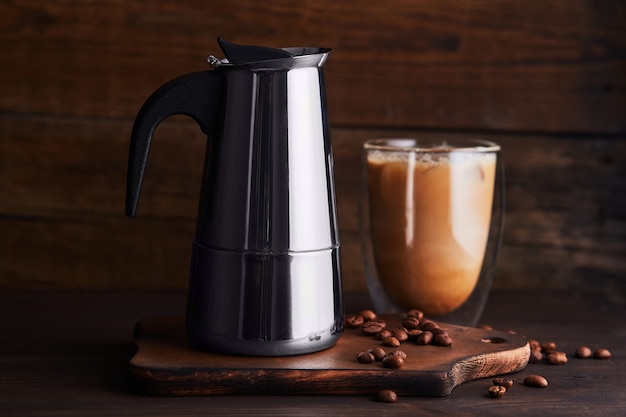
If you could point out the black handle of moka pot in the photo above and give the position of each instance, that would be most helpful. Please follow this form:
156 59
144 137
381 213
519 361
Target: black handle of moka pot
197 95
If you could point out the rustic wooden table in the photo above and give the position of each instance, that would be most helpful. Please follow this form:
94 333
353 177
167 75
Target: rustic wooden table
67 353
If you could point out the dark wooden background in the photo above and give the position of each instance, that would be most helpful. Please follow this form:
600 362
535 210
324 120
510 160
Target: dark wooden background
544 78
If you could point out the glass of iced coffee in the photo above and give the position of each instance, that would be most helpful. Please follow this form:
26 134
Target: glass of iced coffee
431 223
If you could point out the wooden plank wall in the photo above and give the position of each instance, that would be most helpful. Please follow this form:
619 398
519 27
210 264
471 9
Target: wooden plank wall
544 78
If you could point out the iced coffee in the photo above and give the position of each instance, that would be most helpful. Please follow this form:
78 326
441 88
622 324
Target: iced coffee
429 213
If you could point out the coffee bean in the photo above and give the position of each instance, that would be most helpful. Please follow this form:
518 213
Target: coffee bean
365 357
372 327
386 396
534 344
393 361
378 352
400 334
354 321
503 382
391 341
548 347
368 315
424 338
583 352
556 358
602 354
497 391
442 339
536 381
412 333
485 327
428 325
535 356
400 353
384 333
418 314
411 323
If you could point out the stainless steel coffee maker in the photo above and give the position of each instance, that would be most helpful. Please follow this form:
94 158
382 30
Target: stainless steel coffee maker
265 266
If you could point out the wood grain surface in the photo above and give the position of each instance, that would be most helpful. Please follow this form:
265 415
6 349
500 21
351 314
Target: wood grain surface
542 78
532 66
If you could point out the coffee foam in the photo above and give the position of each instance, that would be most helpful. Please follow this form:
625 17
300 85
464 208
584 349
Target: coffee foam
430 158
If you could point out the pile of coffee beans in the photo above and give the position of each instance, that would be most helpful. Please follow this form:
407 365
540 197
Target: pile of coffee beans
414 328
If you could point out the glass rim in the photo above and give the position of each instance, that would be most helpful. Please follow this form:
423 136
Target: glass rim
408 144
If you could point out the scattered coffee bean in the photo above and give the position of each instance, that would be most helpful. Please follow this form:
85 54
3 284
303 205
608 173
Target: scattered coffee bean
365 357
602 354
535 356
378 353
497 391
442 339
368 315
503 382
556 358
425 332
535 381
391 342
400 353
412 333
583 352
400 334
372 327
393 361
428 325
354 321
418 314
485 327
411 323
384 333
424 338
386 396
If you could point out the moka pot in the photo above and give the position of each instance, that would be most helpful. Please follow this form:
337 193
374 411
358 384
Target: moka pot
265 276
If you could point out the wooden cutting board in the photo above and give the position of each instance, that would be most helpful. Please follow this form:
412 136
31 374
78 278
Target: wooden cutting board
165 364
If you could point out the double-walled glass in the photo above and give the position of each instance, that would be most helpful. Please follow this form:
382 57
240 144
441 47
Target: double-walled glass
431 224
